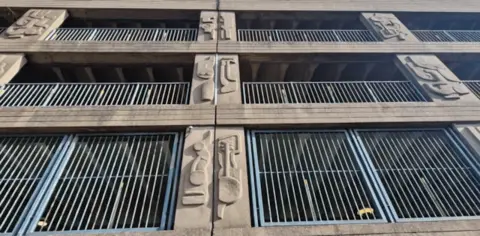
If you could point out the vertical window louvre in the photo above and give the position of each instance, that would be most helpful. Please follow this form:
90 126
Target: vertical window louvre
310 178
23 163
423 174
113 182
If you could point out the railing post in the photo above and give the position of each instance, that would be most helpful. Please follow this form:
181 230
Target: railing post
370 91
52 93
92 35
137 87
450 36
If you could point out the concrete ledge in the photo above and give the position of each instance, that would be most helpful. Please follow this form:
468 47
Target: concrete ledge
375 47
114 4
176 232
471 227
352 5
92 118
347 113
106 47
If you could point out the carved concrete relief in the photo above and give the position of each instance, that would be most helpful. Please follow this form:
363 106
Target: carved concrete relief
229 75
205 70
33 23
198 194
227 28
388 26
437 77
209 26
3 64
230 175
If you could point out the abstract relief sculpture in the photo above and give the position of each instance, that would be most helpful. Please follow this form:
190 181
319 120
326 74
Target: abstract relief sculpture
33 23
198 193
437 77
388 26
228 75
230 175
226 29
209 26
3 64
205 70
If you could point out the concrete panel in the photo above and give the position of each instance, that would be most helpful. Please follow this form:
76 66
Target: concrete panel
35 24
106 117
106 47
232 205
227 29
10 65
208 27
387 27
347 114
444 228
352 5
229 85
195 194
114 4
434 77
330 47
202 89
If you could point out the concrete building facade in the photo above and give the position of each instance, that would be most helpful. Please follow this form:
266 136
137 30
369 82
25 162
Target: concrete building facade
227 117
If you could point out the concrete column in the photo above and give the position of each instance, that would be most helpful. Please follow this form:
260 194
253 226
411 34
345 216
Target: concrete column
203 82
35 24
387 27
229 87
195 192
438 82
10 65
227 26
232 203
471 134
208 26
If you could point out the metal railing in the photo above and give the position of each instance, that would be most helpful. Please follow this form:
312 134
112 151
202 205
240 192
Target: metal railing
309 178
361 175
447 35
93 94
113 182
330 92
23 163
473 86
422 173
277 35
88 182
123 34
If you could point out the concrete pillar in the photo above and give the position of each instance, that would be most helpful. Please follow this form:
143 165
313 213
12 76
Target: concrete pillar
203 82
10 65
195 194
387 27
229 87
208 26
232 203
35 24
471 134
438 82
217 26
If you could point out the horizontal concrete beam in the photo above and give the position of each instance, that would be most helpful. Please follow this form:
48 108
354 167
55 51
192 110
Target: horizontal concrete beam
464 228
355 5
105 47
101 118
377 47
114 4
347 113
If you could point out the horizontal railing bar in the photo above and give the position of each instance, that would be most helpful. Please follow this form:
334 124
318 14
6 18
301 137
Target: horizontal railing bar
305 35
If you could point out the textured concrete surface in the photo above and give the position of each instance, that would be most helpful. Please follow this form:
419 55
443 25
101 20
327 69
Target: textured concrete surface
10 65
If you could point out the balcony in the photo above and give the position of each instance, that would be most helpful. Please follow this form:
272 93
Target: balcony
330 92
296 35
123 35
